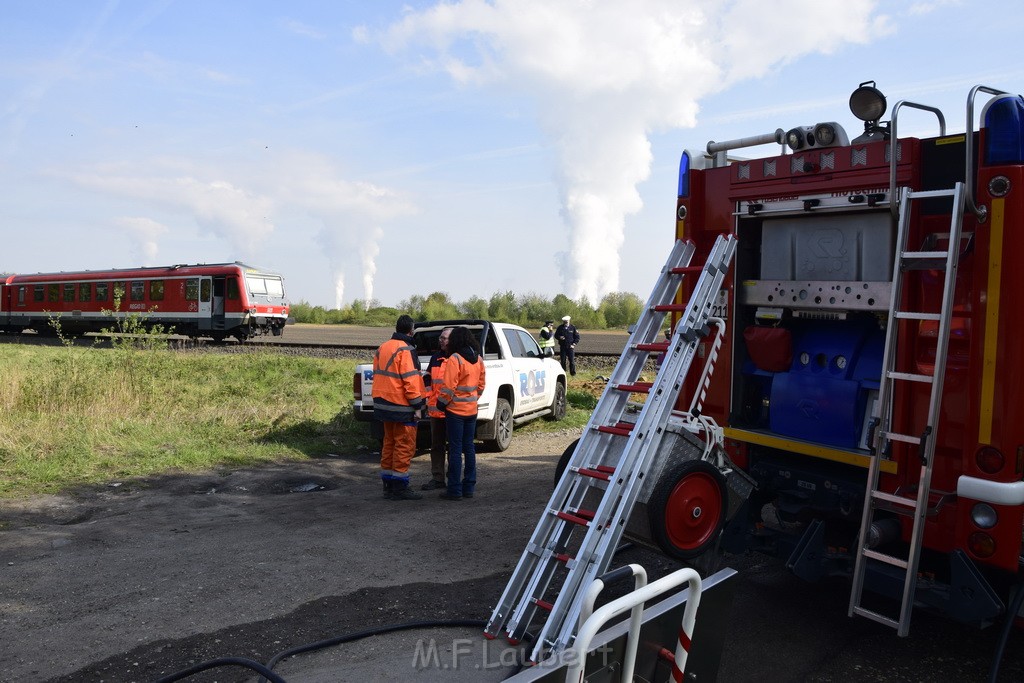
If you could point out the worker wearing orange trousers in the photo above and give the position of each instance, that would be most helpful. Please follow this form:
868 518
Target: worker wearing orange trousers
399 399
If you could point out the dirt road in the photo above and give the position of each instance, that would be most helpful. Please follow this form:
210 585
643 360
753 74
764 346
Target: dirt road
133 580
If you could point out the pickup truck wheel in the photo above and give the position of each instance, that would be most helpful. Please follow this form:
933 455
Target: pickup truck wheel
558 403
502 427
563 461
377 432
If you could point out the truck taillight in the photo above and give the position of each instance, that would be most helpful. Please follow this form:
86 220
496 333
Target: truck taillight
981 545
990 460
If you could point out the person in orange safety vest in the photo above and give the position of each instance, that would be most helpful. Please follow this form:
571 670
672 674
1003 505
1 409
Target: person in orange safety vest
464 380
398 401
438 430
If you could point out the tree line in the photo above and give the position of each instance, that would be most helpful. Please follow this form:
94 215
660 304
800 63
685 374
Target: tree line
616 310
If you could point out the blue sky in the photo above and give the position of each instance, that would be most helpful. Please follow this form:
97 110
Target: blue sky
385 149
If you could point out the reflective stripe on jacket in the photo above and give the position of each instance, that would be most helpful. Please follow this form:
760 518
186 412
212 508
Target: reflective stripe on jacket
398 390
436 379
463 385
547 342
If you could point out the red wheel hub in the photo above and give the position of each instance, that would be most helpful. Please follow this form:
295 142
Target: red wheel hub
693 511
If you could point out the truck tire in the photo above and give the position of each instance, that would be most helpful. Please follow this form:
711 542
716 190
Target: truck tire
377 432
558 403
563 461
687 509
502 427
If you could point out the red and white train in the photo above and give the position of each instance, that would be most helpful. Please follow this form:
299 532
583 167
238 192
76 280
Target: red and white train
206 300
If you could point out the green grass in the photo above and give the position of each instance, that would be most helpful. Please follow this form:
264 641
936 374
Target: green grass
71 415
77 415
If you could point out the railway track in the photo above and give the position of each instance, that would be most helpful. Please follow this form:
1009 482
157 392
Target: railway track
333 349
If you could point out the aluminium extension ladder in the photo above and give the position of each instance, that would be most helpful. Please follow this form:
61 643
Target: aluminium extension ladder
610 460
875 499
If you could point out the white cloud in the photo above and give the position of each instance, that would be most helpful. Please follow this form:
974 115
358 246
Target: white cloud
305 30
145 232
244 207
605 76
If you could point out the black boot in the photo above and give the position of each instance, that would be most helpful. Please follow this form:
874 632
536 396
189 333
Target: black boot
400 491
388 487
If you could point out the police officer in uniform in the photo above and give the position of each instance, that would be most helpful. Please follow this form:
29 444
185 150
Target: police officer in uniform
567 337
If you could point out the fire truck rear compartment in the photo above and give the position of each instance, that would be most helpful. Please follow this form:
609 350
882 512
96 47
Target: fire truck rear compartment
811 290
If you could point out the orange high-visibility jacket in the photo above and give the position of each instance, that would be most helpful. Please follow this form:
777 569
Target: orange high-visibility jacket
398 390
436 380
463 384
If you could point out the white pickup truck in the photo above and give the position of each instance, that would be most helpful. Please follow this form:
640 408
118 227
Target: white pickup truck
521 385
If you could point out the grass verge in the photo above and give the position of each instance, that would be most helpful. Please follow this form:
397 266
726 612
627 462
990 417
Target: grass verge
71 415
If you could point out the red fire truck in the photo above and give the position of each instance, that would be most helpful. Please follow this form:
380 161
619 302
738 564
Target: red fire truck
871 377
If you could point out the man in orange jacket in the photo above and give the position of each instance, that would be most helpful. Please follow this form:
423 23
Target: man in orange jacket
398 402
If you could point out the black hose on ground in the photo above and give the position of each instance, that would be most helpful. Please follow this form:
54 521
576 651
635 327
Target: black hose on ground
1011 615
359 635
223 661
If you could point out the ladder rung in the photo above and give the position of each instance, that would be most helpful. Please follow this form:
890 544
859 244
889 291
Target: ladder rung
905 438
893 498
593 473
924 254
618 431
572 518
911 377
543 604
636 387
875 616
686 270
605 468
670 308
888 559
909 315
564 558
653 346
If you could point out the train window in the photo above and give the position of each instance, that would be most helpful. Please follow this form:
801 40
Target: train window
192 289
138 290
119 290
85 291
101 291
156 290
53 293
21 295
257 285
39 293
204 290
232 288
69 293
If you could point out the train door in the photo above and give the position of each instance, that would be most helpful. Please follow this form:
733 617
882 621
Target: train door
205 302
217 317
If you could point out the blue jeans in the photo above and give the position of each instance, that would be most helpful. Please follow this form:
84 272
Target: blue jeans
461 432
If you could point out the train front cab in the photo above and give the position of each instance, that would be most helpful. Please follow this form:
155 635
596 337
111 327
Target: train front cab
808 309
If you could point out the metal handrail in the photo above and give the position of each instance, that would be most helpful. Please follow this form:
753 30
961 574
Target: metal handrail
634 602
717 150
981 212
894 144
